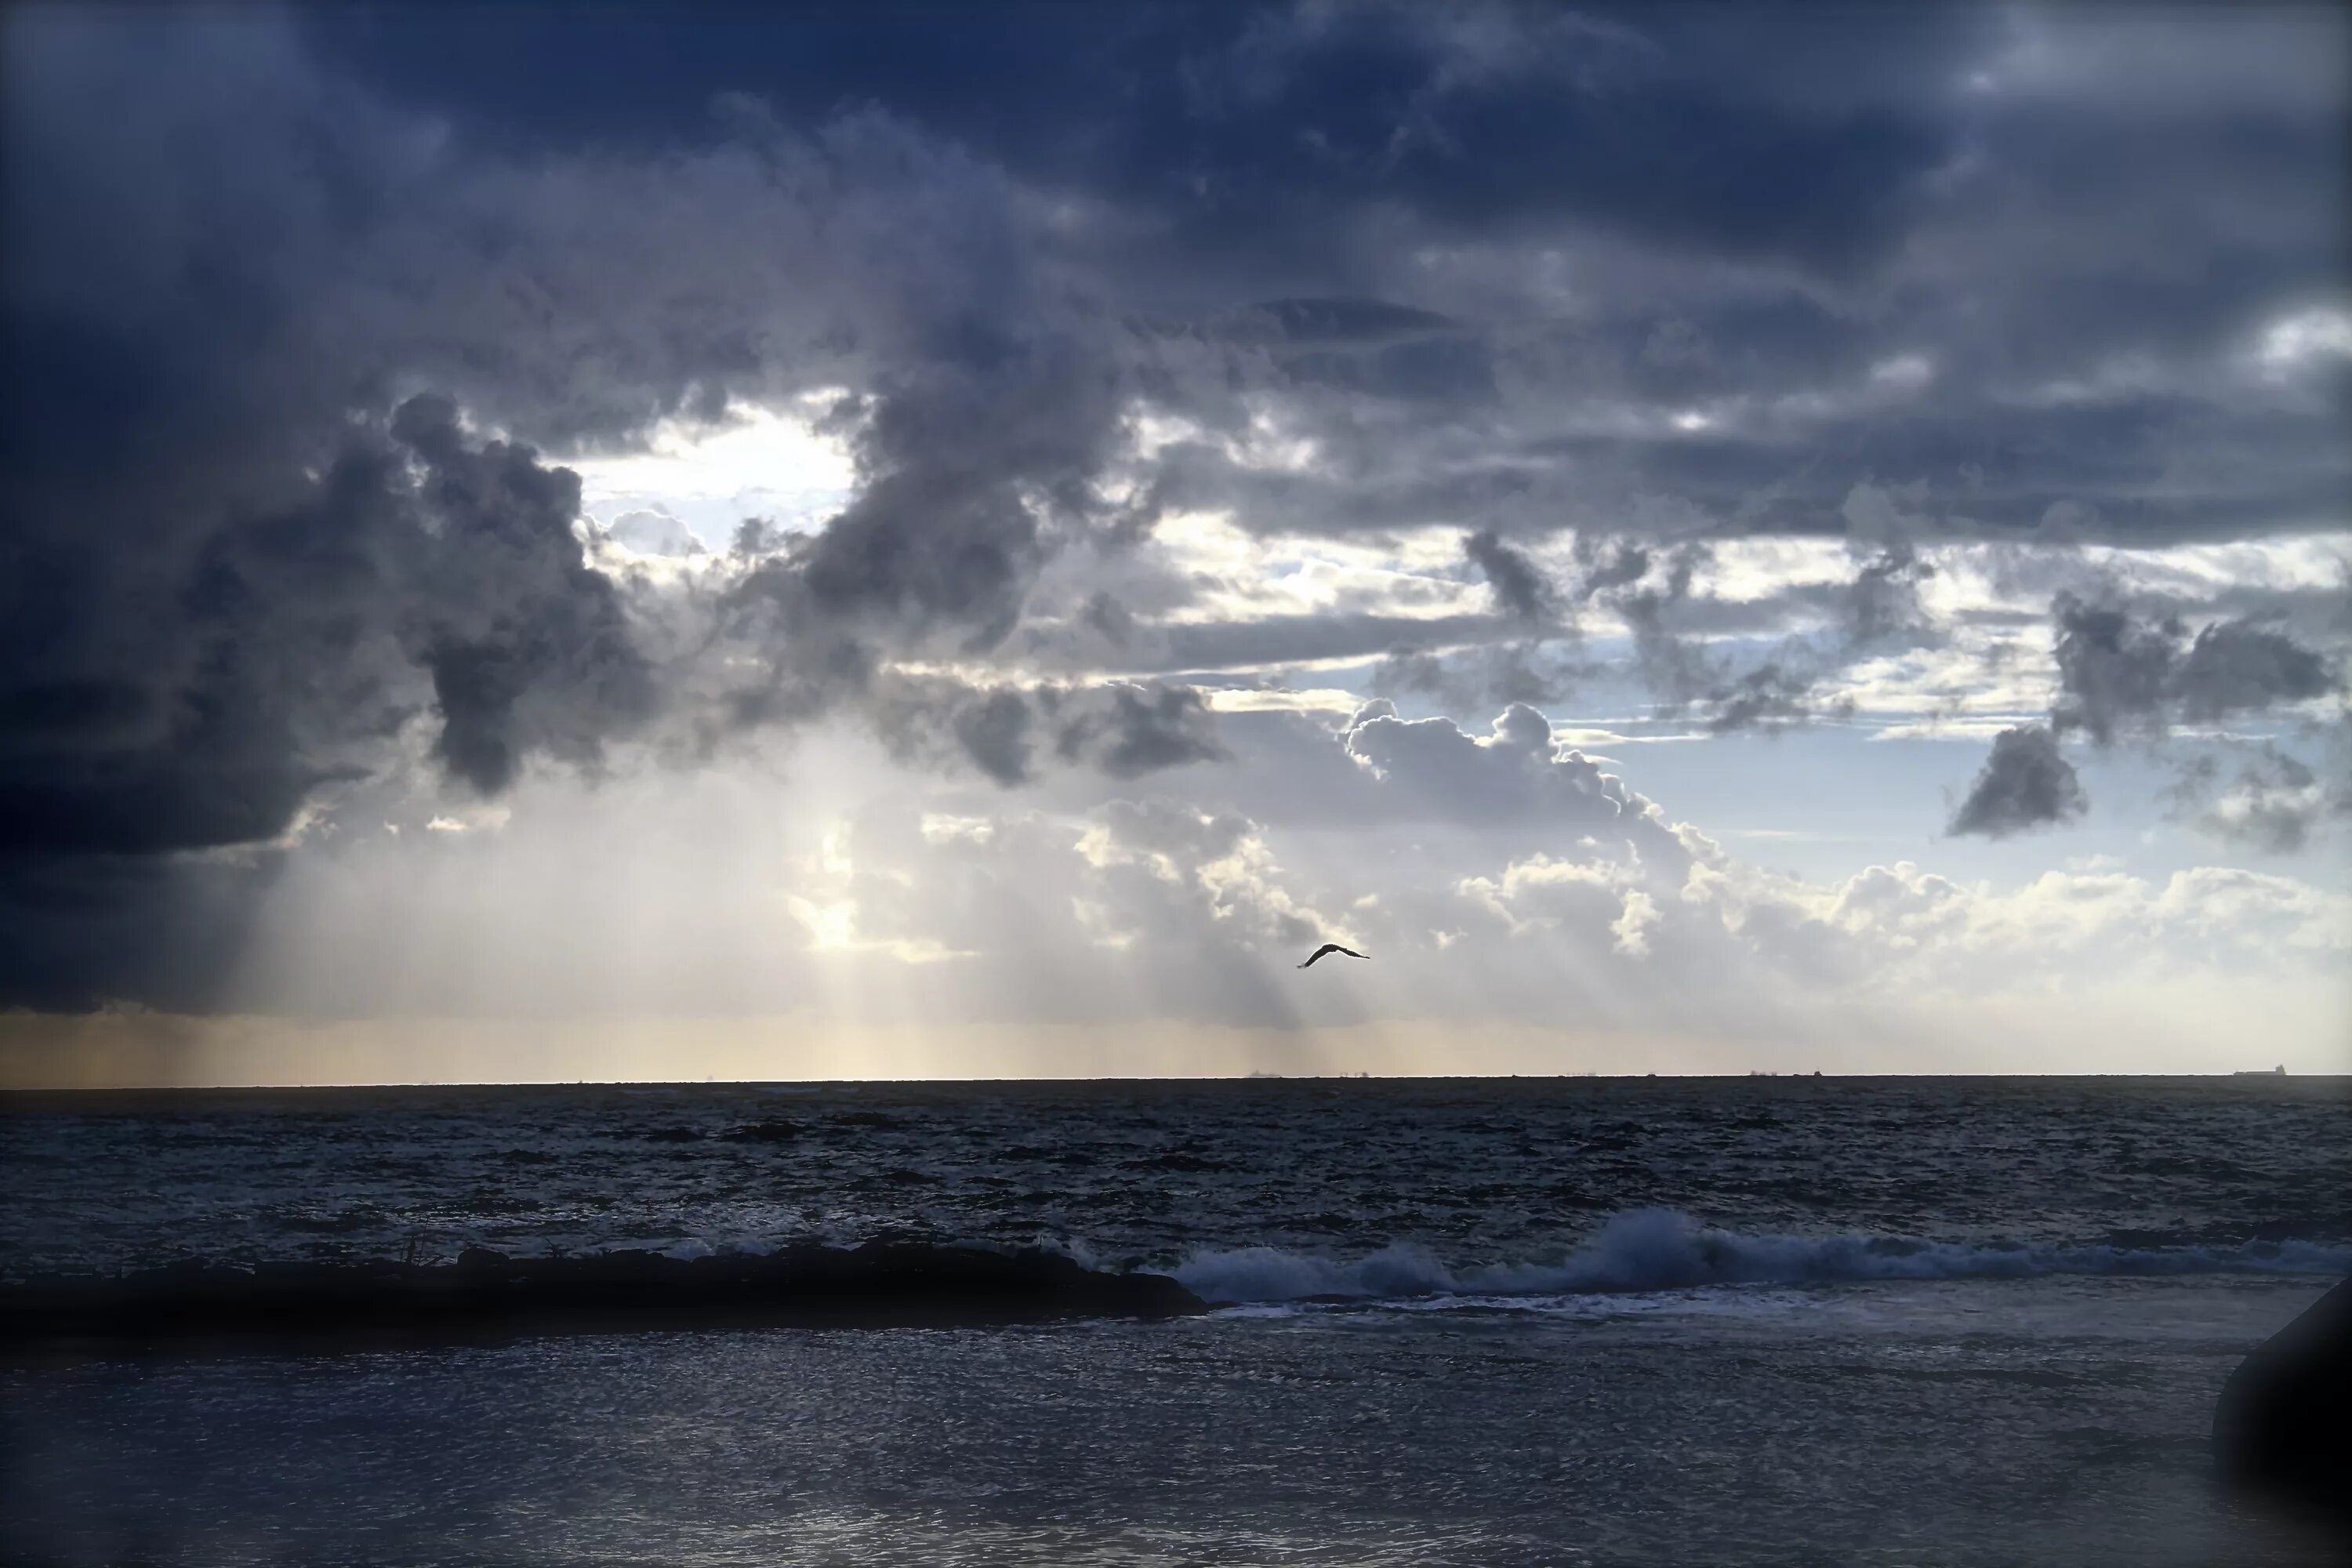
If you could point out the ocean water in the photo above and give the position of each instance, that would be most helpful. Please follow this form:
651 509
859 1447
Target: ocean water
1480 1322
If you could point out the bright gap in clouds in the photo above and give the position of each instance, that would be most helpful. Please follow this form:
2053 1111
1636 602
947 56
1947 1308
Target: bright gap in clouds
2297 340
772 463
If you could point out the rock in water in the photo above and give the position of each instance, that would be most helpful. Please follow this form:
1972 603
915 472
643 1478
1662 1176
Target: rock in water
2282 1429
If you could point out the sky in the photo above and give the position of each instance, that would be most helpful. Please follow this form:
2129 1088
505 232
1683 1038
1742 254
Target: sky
953 540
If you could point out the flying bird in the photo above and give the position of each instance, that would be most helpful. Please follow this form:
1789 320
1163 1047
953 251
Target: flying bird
1330 947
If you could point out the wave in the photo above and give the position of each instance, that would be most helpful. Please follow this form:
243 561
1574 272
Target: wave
1659 1249
489 1295
691 1285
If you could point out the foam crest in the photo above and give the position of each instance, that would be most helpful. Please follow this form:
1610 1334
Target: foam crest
1659 1249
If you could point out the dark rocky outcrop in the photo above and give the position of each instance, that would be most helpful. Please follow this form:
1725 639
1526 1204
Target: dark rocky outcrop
2282 1428
487 1295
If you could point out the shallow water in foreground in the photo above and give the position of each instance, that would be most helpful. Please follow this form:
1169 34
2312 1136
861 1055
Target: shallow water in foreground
1602 1323
1937 1423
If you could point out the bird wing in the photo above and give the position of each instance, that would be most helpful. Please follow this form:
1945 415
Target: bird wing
1326 947
1351 952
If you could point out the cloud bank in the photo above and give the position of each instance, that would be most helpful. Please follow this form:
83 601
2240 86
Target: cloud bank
1223 394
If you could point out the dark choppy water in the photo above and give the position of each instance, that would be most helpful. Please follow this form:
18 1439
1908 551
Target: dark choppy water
1655 1322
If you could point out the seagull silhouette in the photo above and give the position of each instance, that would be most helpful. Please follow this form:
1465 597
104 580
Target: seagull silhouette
1331 947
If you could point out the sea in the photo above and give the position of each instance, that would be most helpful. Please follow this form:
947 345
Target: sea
1648 1321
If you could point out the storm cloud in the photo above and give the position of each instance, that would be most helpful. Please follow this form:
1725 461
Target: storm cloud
1759 370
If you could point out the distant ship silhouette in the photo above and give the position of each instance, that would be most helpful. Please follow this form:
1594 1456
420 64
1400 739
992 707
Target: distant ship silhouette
2279 1071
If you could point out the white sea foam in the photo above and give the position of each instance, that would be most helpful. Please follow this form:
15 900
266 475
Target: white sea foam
1658 1249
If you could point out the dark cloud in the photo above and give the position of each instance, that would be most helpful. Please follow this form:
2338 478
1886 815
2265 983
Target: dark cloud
78 930
2024 784
1519 586
2112 671
1535 674
1113 619
1408 670
527 646
295 640
1377 205
1129 730
1882 605
201 705
2234 668
2124 675
1332 324
1655 275
2119 674
1609 563
966 461
241 562
994 733
1123 730
1769 695
1364 347
1451 109
1746 222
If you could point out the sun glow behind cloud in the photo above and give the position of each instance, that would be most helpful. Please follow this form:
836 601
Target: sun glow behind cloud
772 463
2308 337
1175 451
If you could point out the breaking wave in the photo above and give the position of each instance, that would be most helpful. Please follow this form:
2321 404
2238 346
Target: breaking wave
1659 1249
487 1294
